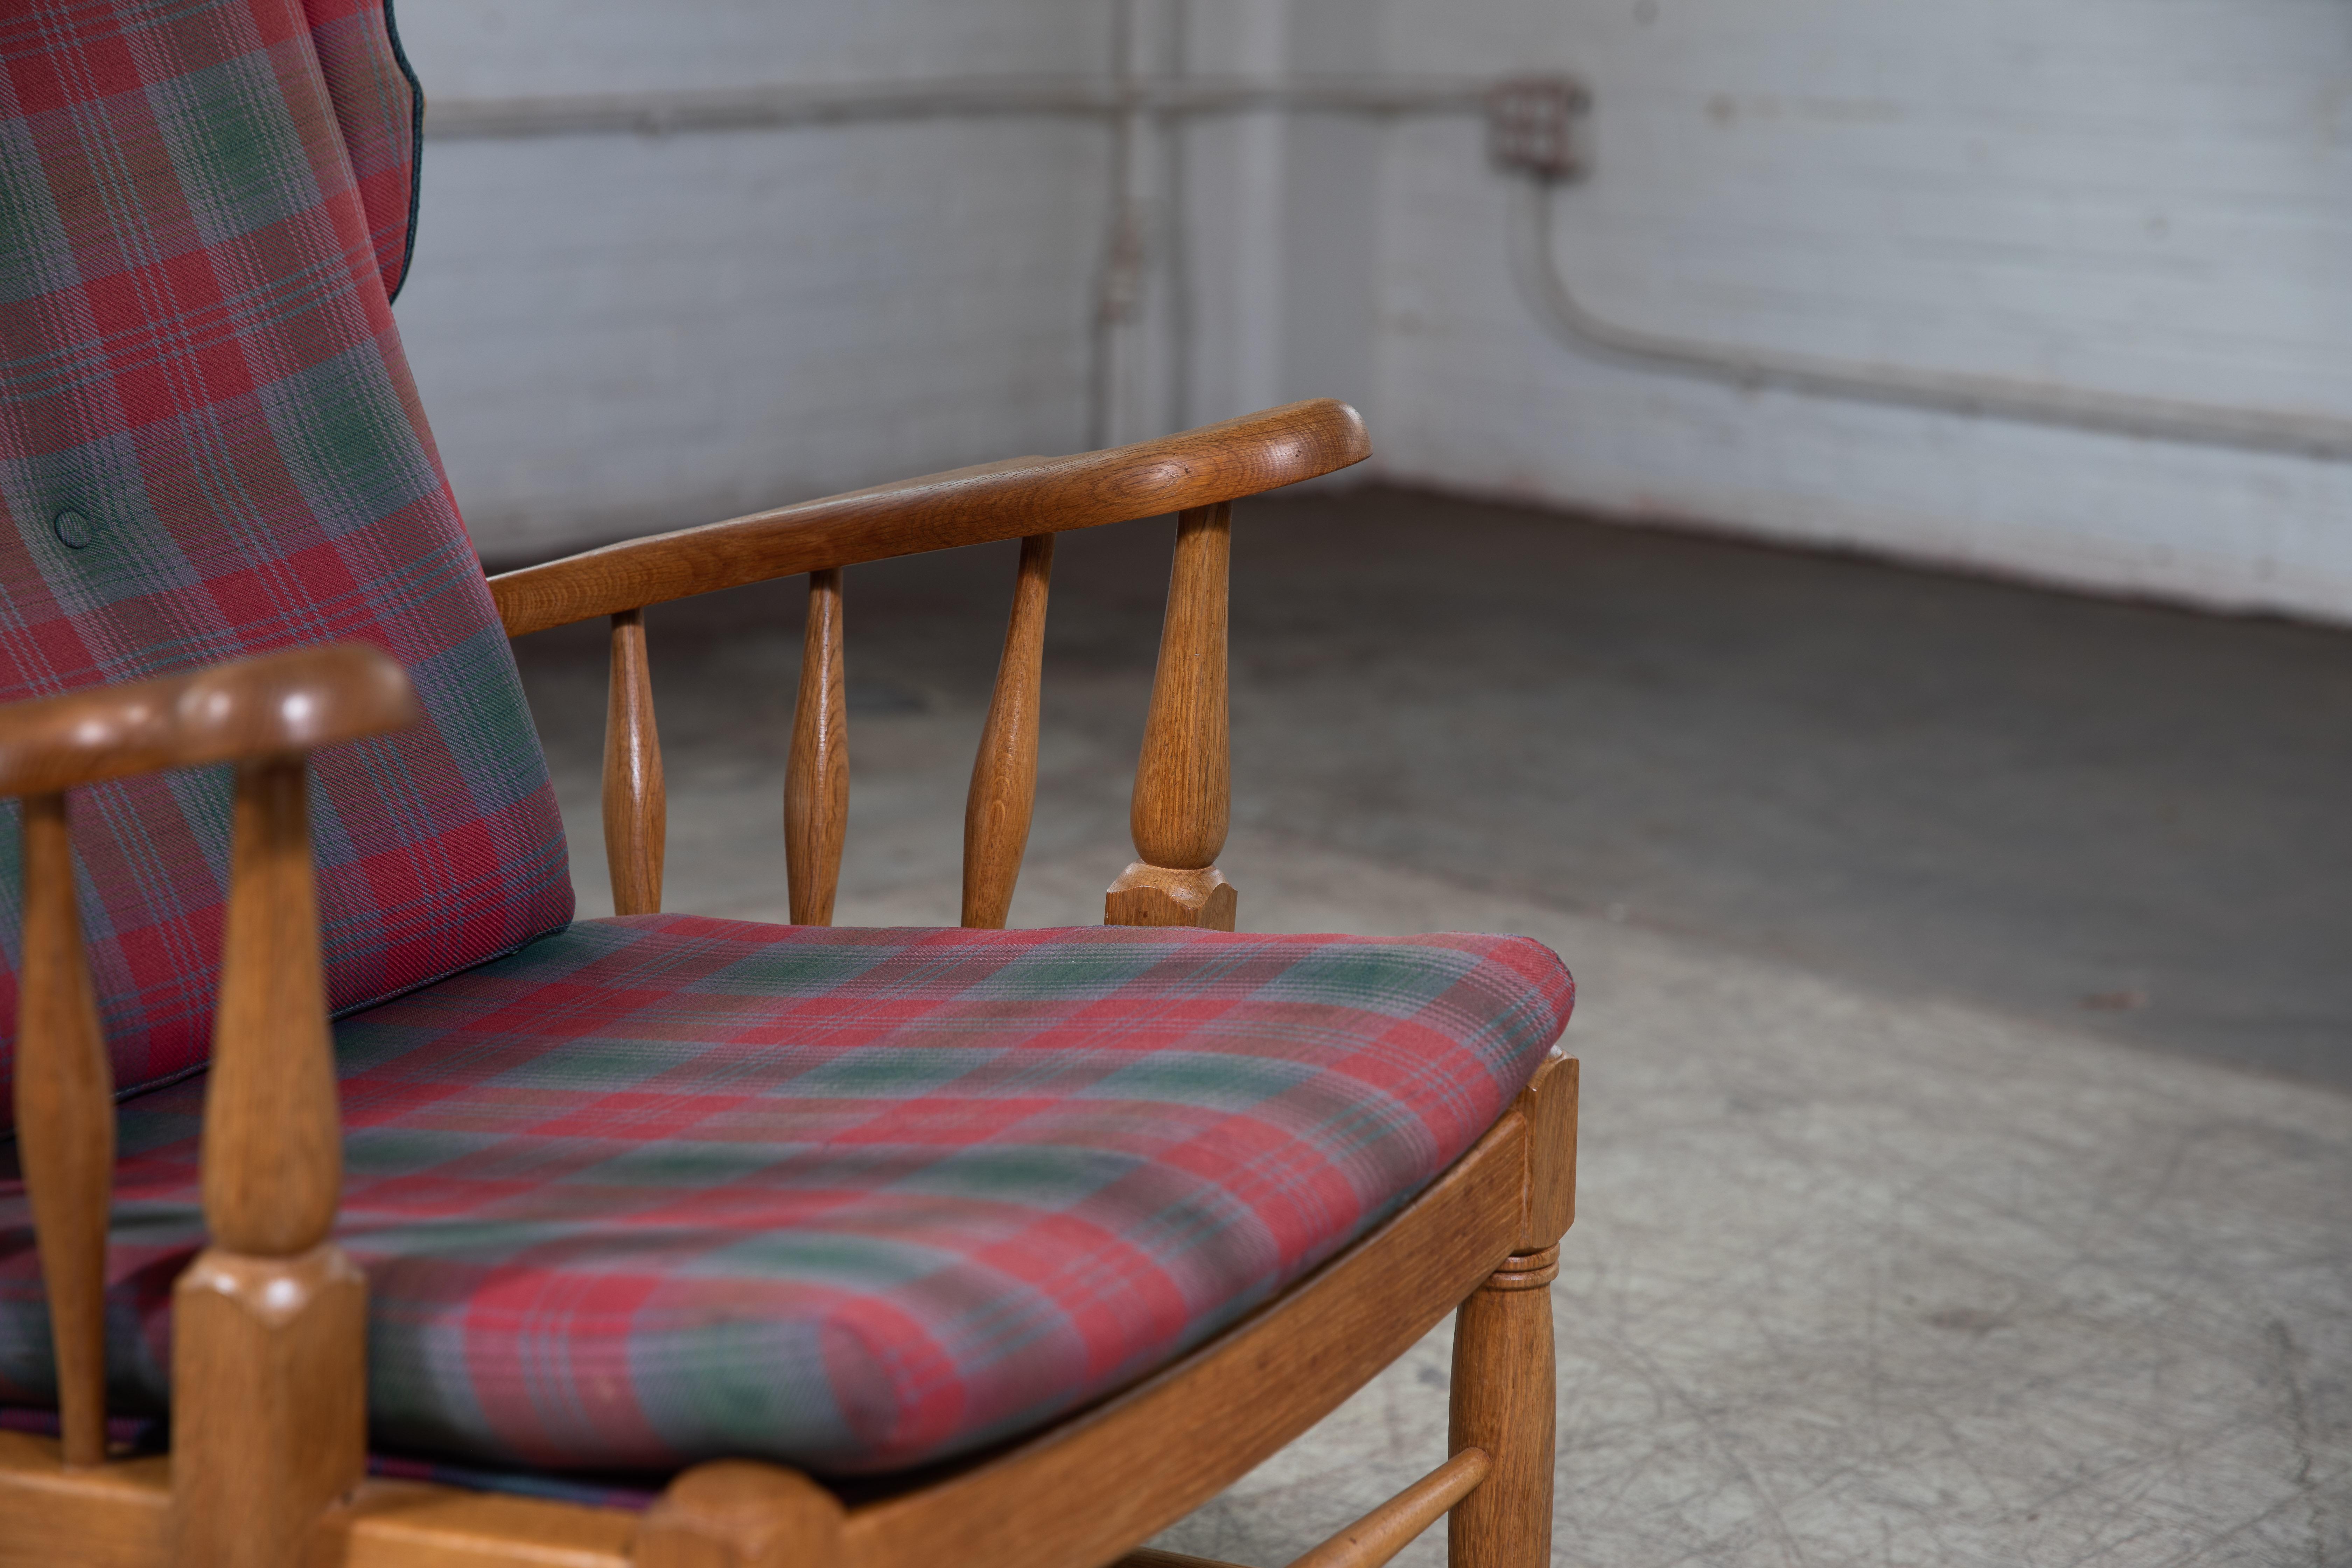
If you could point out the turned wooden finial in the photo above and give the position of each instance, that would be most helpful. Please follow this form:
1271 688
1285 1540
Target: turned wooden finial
1183 781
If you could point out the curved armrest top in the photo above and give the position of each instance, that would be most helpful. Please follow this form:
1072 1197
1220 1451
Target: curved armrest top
280 705
969 506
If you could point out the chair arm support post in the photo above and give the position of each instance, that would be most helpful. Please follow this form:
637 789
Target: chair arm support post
635 802
817 776
273 1160
65 1126
1003 798
1183 780
268 1365
268 1361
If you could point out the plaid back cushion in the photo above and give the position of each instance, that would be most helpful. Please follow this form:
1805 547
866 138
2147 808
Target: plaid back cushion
380 108
210 447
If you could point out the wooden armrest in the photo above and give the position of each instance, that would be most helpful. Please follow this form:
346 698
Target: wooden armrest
969 506
271 1158
278 706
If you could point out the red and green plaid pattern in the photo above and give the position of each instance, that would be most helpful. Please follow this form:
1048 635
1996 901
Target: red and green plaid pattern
380 108
210 447
663 1189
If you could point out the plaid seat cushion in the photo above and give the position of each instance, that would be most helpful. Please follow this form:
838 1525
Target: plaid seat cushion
662 1189
210 447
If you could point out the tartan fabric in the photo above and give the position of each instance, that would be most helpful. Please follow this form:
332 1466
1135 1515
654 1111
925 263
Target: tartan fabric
662 1189
380 108
210 447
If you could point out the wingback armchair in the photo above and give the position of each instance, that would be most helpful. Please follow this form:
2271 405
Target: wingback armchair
358 1204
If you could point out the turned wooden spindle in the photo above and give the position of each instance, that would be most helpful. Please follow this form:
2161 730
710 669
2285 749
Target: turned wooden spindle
268 1367
997 812
65 1126
636 805
1505 1382
1183 786
817 778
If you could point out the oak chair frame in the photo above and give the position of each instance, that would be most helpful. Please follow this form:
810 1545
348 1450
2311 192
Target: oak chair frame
266 1465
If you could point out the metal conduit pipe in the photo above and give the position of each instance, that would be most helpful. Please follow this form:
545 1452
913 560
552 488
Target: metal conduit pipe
1519 115
1535 266
960 98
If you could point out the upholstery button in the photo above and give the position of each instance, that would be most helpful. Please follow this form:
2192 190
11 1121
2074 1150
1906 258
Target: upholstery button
73 529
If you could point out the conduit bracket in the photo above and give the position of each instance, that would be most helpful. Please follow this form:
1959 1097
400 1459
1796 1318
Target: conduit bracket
1535 128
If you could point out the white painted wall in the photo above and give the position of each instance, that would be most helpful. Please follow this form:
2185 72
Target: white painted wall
619 333
2148 196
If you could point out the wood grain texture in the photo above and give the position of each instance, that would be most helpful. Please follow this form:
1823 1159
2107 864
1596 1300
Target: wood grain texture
636 804
1503 1396
1504 1401
1183 781
410 1524
1155 895
1549 1104
816 775
268 1357
970 506
1095 1487
278 706
268 1404
65 1125
120 1517
272 1138
1389 1529
737 1513
1074 1496
1152 1557
1003 798
51 1516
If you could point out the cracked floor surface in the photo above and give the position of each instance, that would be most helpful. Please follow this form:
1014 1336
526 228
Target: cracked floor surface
1926 932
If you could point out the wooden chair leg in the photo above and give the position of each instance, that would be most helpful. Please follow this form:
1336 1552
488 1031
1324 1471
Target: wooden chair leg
1503 1404
1505 1380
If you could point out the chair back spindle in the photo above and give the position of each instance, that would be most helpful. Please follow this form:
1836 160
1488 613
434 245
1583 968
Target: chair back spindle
816 778
636 807
998 811
65 1124
1183 786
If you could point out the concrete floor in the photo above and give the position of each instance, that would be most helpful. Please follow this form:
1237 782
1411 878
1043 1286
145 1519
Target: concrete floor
1968 1159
